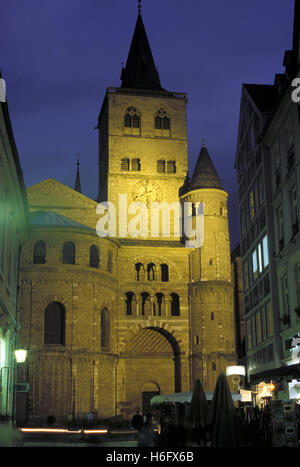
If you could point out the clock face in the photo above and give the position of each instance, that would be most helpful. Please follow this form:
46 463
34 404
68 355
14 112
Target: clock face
147 192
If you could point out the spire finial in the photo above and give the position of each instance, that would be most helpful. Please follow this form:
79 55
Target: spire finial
203 142
139 6
77 181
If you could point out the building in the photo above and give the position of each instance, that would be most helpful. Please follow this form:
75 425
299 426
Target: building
268 168
236 262
14 224
111 321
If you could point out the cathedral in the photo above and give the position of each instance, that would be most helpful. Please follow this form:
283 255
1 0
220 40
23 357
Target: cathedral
110 321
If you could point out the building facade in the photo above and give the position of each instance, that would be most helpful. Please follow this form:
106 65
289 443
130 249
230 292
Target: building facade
110 321
14 224
268 176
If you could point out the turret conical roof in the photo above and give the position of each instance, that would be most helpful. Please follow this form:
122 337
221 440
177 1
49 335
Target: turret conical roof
205 174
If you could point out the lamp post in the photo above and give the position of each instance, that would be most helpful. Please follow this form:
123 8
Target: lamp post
20 355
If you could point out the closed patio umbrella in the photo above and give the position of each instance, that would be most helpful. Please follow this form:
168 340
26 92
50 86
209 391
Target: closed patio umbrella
198 419
225 422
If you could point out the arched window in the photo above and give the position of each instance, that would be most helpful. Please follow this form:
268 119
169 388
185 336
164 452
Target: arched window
39 252
54 324
129 302
214 366
104 329
159 299
139 267
151 272
136 165
162 120
164 272
132 121
94 257
175 305
69 253
212 316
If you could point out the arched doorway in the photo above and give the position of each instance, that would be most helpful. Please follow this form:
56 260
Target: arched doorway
152 365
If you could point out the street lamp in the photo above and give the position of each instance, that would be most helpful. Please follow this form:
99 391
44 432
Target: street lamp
20 355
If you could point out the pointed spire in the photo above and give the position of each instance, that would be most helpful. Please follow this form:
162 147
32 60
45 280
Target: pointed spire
140 71
205 174
139 6
77 181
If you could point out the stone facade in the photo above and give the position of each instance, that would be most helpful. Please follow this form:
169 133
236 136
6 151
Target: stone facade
153 315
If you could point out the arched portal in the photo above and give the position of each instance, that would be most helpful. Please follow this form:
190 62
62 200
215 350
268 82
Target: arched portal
152 354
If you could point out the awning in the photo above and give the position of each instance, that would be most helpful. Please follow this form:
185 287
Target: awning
289 371
182 397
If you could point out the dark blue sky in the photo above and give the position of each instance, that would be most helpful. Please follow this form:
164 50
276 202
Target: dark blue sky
59 56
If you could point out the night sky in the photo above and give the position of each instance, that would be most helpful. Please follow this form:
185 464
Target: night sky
59 56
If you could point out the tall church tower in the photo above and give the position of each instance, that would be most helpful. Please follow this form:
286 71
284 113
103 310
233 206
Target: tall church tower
142 133
211 287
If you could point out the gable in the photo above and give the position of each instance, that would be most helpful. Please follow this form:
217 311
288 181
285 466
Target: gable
51 195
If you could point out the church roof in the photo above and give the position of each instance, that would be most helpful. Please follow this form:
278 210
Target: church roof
140 71
205 174
52 219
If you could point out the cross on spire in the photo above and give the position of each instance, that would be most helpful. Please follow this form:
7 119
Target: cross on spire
139 6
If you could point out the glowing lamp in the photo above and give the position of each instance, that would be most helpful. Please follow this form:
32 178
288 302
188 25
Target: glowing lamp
272 387
20 355
235 370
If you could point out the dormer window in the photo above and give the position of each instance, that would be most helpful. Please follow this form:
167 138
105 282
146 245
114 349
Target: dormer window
132 122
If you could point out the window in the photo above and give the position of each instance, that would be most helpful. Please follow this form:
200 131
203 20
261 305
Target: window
129 302
269 319
132 121
258 328
159 299
161 166
249 334
125 164
246 275
214 366
146 303
162 123
54 324
136 165
94 257
265 251
104 329
164 272
175 305
171 167
260 260
139 267
151 272
254 264
69 253
39 252
212 316
285 295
